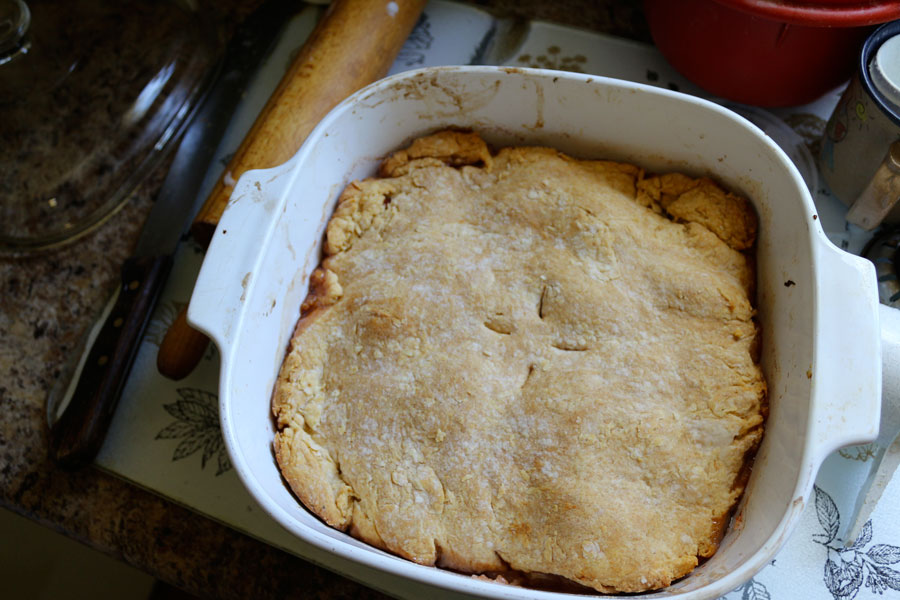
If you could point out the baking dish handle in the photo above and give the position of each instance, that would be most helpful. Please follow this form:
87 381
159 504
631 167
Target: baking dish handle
846 377
234 254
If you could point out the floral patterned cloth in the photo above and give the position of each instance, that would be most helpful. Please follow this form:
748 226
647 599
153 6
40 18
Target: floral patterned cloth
166 435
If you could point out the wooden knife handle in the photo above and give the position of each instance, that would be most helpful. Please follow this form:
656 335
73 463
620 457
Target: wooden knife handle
354 44
79 432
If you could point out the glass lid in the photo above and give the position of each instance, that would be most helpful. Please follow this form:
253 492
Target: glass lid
92 95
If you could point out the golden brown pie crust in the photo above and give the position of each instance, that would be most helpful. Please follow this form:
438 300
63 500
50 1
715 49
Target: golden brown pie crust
523 362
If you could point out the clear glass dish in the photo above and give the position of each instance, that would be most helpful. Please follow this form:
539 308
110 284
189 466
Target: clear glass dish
92 95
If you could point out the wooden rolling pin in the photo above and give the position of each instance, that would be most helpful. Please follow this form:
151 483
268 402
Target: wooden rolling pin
354 44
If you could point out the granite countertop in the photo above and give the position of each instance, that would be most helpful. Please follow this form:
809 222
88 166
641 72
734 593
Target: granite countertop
47 302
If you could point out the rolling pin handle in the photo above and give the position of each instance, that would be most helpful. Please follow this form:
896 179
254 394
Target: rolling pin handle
181 349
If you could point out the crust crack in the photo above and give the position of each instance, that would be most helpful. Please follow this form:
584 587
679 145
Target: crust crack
498 326
540 308
528 375
570 346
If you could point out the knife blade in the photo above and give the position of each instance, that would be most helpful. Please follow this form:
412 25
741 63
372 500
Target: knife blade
85 409
886 456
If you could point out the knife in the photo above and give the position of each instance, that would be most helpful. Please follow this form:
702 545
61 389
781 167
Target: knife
886 456
86 407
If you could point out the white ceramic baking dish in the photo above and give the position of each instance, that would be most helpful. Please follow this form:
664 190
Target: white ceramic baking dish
817 304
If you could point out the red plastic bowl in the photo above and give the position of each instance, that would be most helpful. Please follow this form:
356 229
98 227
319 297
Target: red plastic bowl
765 52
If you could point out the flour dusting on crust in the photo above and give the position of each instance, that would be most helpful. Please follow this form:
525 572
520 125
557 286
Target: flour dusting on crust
524 363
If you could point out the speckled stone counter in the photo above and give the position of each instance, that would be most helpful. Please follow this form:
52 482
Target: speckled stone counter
47 302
